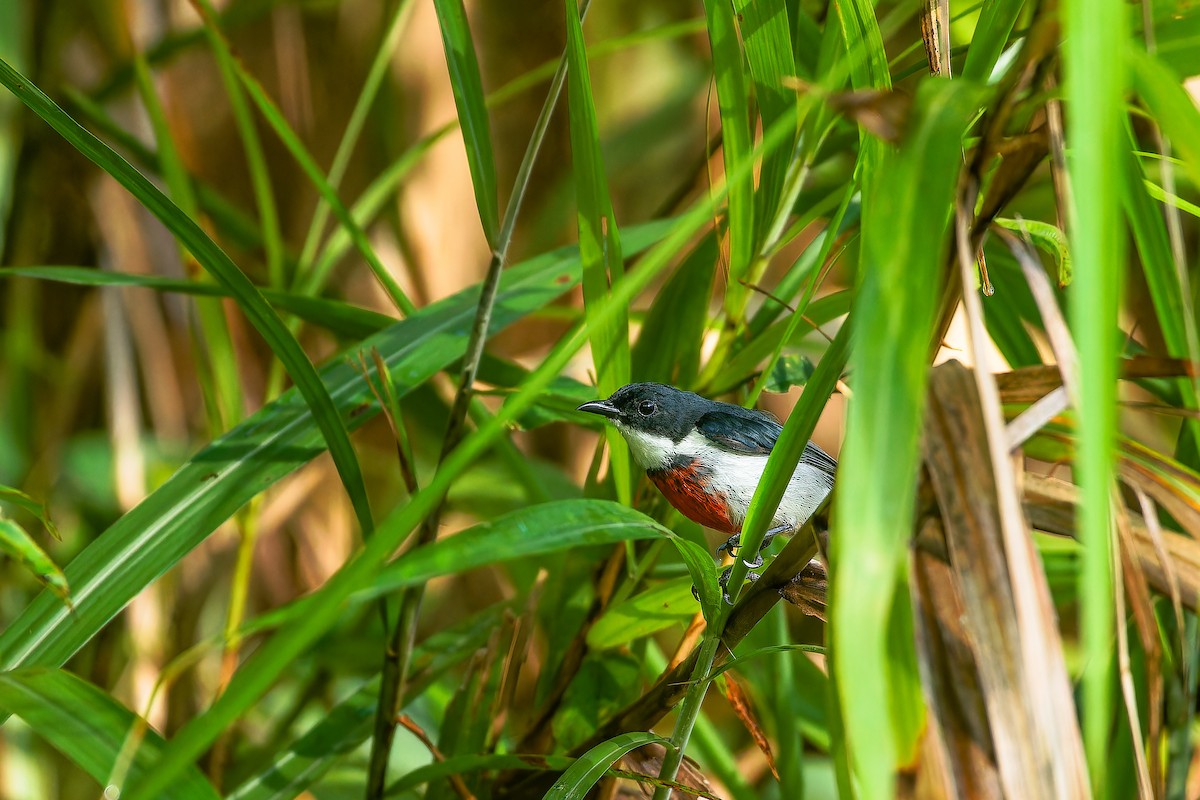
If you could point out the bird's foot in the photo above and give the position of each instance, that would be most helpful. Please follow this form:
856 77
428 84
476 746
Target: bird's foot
731 546
723 582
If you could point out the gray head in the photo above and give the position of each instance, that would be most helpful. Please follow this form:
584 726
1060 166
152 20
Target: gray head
652 408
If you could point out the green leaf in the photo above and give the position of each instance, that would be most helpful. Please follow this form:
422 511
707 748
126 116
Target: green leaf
736 145
669 603
668 345
766 36
527 533
905 217
1094 90
93 730
605 682
206 491
298 765
991 36
1169 104
577 781
220 266
15 541
789 371
344 319
599 241
472 110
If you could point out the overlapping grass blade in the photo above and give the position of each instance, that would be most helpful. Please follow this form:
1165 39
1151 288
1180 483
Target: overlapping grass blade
256 676
991 36
736 145
275 118
347 321
281 437
599 240
92 729
906 213
472 110
1094 90
577 781
219 265
765 32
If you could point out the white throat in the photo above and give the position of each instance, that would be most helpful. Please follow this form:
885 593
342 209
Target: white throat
650 450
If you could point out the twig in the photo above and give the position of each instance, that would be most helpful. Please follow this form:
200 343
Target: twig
456 781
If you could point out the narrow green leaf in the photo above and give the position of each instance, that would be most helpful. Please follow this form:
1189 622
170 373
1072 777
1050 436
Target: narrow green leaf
1168 102
766 37
577 781
281 437
15 541
991 36
736 144
599 241
1094 89
472 110
93 730
905 216
463 765
343 319
527 533
668 345
296 766
669 603
216 262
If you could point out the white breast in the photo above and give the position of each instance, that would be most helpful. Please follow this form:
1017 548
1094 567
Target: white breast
735 475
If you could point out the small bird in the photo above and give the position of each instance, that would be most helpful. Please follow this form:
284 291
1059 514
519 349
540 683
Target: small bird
707 457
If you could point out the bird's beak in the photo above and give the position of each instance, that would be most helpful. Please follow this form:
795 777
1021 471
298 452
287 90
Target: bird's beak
601 407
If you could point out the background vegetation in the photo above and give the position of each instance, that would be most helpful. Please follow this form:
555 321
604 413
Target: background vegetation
299 297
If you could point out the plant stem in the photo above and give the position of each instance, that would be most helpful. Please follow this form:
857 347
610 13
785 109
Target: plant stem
403 638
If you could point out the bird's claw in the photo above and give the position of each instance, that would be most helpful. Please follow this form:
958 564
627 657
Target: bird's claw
731 546
723 582
757 562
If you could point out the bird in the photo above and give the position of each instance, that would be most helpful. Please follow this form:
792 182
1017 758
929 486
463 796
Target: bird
707 458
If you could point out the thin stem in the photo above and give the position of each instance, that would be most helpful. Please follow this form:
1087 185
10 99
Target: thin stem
403 639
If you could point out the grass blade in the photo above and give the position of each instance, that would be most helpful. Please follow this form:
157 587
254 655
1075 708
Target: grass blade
1094 90
579 779
92 729
736 145
263 449
599 241
472 110
904 224
220 266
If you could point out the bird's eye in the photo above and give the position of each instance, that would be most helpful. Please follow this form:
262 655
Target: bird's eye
647 407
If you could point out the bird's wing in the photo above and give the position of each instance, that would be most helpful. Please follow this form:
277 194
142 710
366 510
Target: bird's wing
816 457
751 434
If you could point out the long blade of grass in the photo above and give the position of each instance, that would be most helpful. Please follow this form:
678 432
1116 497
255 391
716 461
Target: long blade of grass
991 36
766 36
354 126
90 728
472 110
219 265
257 674
348 321
736 145
1094 90
905 217
579 779
599 241
281 437
275 118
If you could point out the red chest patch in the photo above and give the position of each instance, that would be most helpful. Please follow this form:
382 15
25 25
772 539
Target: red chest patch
683 488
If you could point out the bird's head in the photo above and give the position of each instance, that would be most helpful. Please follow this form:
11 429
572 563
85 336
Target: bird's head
653 417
